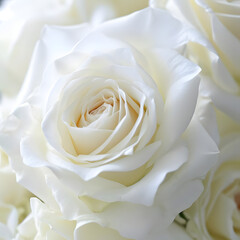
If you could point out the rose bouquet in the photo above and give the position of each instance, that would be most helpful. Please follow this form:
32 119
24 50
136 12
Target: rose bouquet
119 120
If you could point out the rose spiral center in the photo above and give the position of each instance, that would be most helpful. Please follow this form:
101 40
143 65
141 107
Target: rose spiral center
102 107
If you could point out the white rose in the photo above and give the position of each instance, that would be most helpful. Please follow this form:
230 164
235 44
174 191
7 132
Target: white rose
220 22
14 200
22 21
216 19
115 119
216 215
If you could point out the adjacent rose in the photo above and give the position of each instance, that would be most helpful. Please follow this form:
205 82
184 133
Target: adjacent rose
21 23
219 21
216 19
14 200
111 124
216 214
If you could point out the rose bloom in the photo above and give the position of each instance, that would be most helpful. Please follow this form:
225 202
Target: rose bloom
111 125
216 214
14 200
21 22
219 21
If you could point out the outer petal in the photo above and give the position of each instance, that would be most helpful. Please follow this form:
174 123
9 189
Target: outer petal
174 231
48 54
8 137
202 157
149 35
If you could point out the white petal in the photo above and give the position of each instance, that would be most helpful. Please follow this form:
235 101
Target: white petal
49 54
149 35
95 231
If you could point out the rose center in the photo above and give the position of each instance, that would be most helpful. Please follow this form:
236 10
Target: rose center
97 109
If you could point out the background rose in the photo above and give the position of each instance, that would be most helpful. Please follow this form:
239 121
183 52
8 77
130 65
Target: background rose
215 215
135 80
14 200
215 19
22 21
